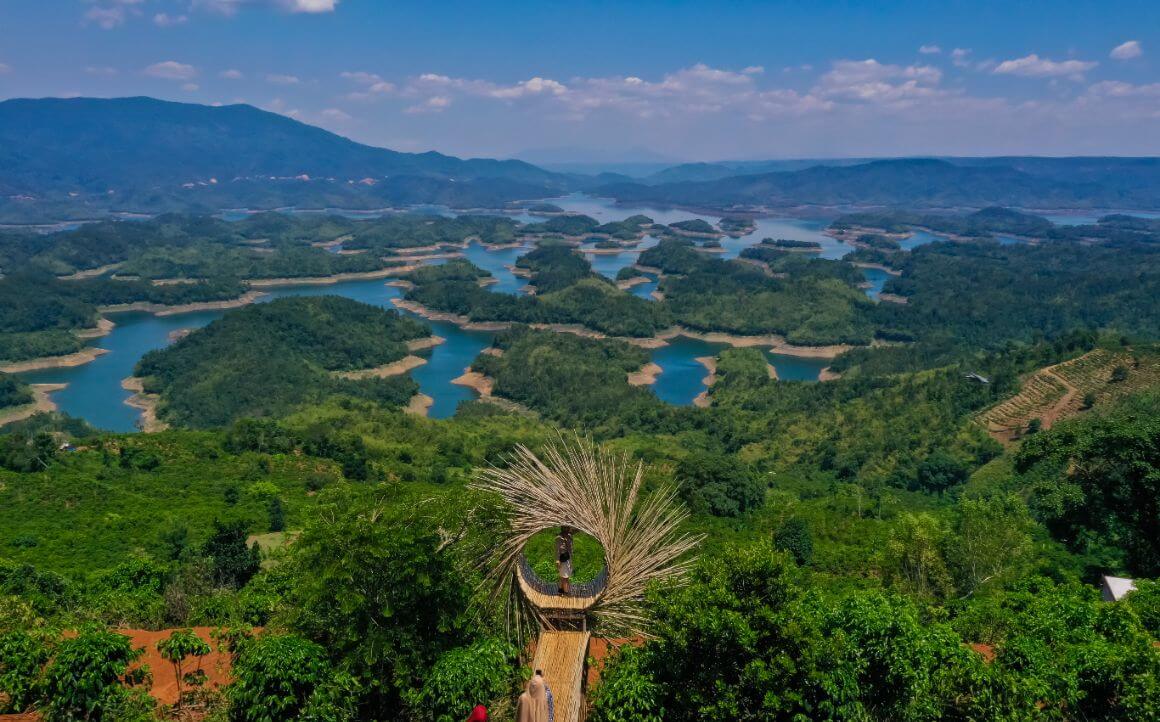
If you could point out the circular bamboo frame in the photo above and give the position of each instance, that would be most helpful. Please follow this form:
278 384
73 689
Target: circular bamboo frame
599 493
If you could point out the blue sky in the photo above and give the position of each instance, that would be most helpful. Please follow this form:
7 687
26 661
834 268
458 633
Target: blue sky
678 80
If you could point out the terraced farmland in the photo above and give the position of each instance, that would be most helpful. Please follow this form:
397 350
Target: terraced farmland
1059 391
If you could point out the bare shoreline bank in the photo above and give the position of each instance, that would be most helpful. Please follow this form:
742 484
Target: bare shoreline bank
394 368
646 375
702 400
146 403
419 405
41 403
79 358
775 343
158 309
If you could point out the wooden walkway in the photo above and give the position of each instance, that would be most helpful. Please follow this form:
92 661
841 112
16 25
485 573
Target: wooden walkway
561 656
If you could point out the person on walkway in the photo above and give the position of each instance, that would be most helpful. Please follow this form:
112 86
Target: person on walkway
533 704
479 714
564 559
551 698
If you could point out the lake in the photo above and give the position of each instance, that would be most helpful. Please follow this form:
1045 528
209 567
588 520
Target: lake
94 390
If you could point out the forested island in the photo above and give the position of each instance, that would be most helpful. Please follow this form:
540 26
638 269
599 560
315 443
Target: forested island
269 359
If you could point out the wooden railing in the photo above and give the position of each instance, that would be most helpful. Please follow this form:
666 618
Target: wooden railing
585 590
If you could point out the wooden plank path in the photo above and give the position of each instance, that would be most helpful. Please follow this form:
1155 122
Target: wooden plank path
561 657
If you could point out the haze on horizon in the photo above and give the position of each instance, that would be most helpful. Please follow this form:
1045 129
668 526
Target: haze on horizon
645 81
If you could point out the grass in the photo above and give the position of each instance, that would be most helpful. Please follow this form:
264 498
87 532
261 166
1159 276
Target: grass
587 556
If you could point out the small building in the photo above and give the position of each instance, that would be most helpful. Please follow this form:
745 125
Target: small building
1113 589
977 377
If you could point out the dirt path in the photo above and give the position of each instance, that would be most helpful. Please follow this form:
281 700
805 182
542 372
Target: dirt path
1061 407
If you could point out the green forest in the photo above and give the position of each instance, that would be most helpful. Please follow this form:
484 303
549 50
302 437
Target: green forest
873 548
267 359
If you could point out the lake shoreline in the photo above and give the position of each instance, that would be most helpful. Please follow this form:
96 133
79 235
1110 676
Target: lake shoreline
646 375
419 405
160 309
702 400
70 360
774 342
477 382
41 403
394 368
146 403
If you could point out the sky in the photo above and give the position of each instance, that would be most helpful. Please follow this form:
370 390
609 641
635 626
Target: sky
641 80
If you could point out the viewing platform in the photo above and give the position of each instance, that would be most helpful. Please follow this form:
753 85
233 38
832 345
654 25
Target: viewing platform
546 596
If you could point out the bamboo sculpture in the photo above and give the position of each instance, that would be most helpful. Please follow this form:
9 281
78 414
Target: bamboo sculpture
599 493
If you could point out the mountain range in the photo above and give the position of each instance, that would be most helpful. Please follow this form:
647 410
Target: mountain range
85 157
1044 183
143 154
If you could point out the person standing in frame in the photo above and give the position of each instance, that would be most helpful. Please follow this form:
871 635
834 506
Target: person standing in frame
564 559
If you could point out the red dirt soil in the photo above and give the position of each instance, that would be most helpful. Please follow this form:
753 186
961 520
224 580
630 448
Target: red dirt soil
600 649
986 651
216 664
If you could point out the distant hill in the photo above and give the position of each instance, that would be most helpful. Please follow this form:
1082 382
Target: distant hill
159 155
917 183
725 169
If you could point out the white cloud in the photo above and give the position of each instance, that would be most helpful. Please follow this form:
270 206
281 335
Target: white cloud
277 105
1118 89
312 6
1033 66
100 70
171 70
230 7
434 83
869 81
231 74
1127 51
959 57
165 20
109 14
371 82
360 76
929 49
434 104
535 86
695 89
5 68
191 87
336 115
277 79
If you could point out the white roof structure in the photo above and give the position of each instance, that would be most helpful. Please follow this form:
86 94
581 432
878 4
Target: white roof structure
1116 588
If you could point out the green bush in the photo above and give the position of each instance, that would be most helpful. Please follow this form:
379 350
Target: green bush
463 678
89 678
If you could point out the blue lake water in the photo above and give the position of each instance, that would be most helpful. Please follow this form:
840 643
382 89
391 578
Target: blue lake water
919 238
1089 219
94 390
796 368
498 262
877 278
683 376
